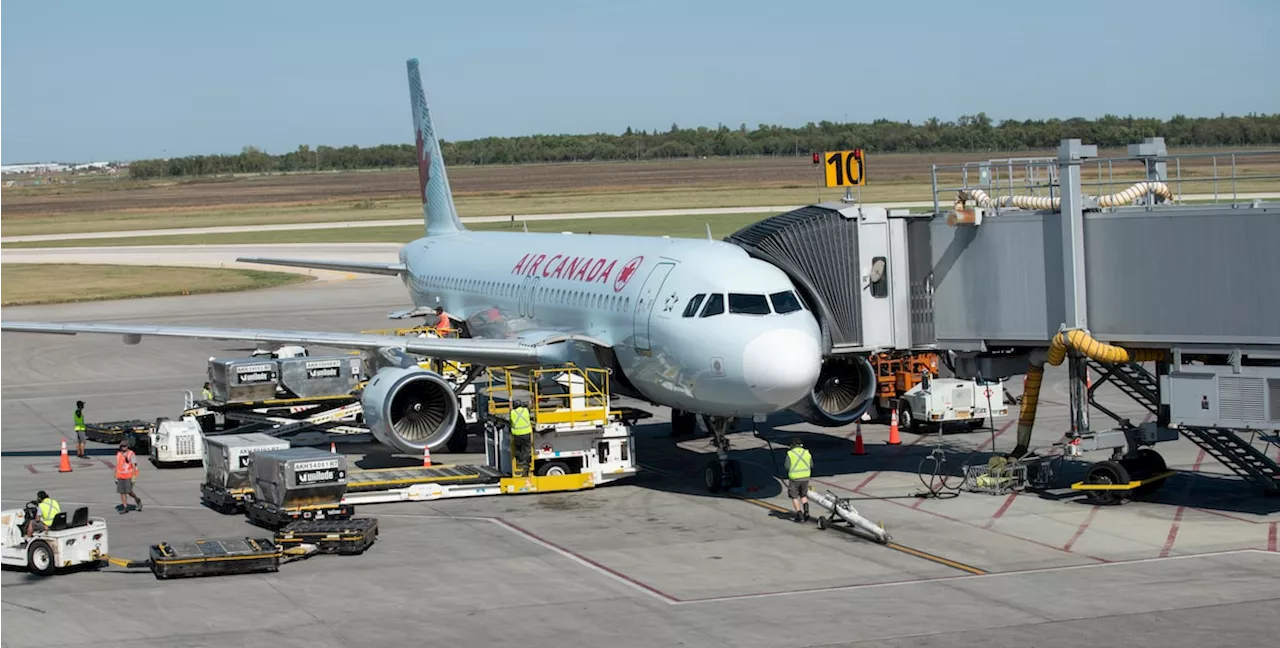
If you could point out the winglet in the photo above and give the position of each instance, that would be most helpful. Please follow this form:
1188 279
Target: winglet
437 200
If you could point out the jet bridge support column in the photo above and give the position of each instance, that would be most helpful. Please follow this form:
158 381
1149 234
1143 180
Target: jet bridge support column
1070 155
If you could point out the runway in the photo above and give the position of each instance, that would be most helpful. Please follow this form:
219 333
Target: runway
649 213
654 562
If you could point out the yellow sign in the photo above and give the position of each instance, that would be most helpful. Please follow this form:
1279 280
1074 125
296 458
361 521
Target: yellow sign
844 168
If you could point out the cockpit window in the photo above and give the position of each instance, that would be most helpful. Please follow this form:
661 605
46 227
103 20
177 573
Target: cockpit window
748 304
715 305
785 302
692 308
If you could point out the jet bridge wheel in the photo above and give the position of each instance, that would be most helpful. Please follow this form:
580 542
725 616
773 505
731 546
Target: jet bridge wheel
1143 464
1107 472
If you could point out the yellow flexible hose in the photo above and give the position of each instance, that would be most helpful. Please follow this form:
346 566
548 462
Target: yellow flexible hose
1044 202
1085 344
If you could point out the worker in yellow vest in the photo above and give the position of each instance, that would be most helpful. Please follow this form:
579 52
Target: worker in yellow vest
206 394
80 429
521 439
799 468
47 508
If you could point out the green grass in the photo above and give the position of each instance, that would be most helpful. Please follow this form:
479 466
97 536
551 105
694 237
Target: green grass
680 226
475 205
39 283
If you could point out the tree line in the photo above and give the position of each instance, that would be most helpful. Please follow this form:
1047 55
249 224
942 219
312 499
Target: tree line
969 133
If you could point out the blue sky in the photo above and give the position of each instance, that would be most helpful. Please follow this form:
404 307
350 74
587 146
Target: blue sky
125 80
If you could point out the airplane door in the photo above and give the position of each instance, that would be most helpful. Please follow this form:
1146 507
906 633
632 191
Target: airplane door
644 306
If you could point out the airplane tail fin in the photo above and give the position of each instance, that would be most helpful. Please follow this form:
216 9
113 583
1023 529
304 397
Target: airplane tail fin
437 200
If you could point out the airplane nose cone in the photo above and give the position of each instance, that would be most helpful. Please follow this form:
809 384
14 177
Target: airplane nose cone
782 366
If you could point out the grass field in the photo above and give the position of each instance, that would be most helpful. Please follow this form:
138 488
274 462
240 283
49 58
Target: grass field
100 204
32 283
679 226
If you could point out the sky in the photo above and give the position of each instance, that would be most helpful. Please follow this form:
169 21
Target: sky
88 81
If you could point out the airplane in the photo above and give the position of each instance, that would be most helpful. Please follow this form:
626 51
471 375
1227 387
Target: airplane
695 325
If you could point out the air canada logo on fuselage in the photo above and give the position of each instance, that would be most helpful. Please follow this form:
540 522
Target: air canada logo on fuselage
625 274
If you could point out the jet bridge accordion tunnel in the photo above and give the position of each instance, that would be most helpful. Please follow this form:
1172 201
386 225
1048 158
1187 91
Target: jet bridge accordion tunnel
849 263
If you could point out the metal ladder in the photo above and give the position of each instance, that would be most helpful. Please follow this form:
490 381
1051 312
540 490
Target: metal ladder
1227 446
1131 378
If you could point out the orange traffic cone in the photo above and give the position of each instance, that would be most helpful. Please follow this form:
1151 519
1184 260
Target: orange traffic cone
333 449
893 429
858 449
426 457
64 465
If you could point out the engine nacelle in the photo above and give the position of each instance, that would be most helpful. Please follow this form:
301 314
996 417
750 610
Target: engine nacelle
410 408
844 391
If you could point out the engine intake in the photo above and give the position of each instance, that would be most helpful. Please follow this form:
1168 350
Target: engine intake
410 409
845 388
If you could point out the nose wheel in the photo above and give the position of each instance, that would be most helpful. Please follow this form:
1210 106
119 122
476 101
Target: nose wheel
721 473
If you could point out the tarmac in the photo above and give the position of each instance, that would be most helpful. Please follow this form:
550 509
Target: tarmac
655 561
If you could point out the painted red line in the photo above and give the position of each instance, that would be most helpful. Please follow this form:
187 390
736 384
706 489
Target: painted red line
1173 532
901 449
591 562
959 521
1271 538
1226 515
108 464
1088 519
1000 511
919 501
1177 516
991 439
32 469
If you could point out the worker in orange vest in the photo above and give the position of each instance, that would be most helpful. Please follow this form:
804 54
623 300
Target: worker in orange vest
443 326
126 472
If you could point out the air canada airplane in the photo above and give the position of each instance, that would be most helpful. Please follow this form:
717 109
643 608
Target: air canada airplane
696 325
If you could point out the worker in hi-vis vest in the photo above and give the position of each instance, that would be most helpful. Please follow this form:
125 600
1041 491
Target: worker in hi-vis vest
78 417
443 326
521 439
126 472
206 393
799 468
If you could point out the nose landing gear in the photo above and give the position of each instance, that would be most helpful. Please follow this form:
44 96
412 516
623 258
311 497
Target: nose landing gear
721 473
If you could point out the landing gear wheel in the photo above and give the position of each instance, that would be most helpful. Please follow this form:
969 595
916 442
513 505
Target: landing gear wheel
40 558
733 473
712 476
683 424
1107 472
554 468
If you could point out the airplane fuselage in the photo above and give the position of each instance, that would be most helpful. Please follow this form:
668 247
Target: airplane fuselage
696 325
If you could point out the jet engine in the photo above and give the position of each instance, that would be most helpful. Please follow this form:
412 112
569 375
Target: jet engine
845 388
409 408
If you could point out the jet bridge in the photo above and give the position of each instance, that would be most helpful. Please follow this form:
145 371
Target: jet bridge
1102 263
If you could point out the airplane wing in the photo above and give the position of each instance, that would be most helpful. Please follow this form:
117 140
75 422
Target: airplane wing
489 352
343 266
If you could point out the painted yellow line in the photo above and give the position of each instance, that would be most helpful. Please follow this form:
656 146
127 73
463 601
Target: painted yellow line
892 545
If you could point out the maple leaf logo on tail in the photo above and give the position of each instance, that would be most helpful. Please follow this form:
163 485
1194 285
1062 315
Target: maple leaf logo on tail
624 275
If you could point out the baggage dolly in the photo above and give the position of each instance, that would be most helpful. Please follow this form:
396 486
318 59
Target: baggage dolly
347 537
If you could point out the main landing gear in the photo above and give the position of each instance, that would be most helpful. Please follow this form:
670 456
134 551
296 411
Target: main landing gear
721 473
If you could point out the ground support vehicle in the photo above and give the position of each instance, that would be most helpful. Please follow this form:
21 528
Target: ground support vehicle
937 402
80 540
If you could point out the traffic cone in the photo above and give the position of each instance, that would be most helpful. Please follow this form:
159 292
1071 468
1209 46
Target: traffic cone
426 457
333 449
858 449
64 465
893 429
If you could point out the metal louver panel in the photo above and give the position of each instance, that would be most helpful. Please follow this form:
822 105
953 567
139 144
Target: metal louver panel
817 248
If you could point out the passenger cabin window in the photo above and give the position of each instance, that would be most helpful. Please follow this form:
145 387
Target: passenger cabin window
748 304
715 305
785 302
692 308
